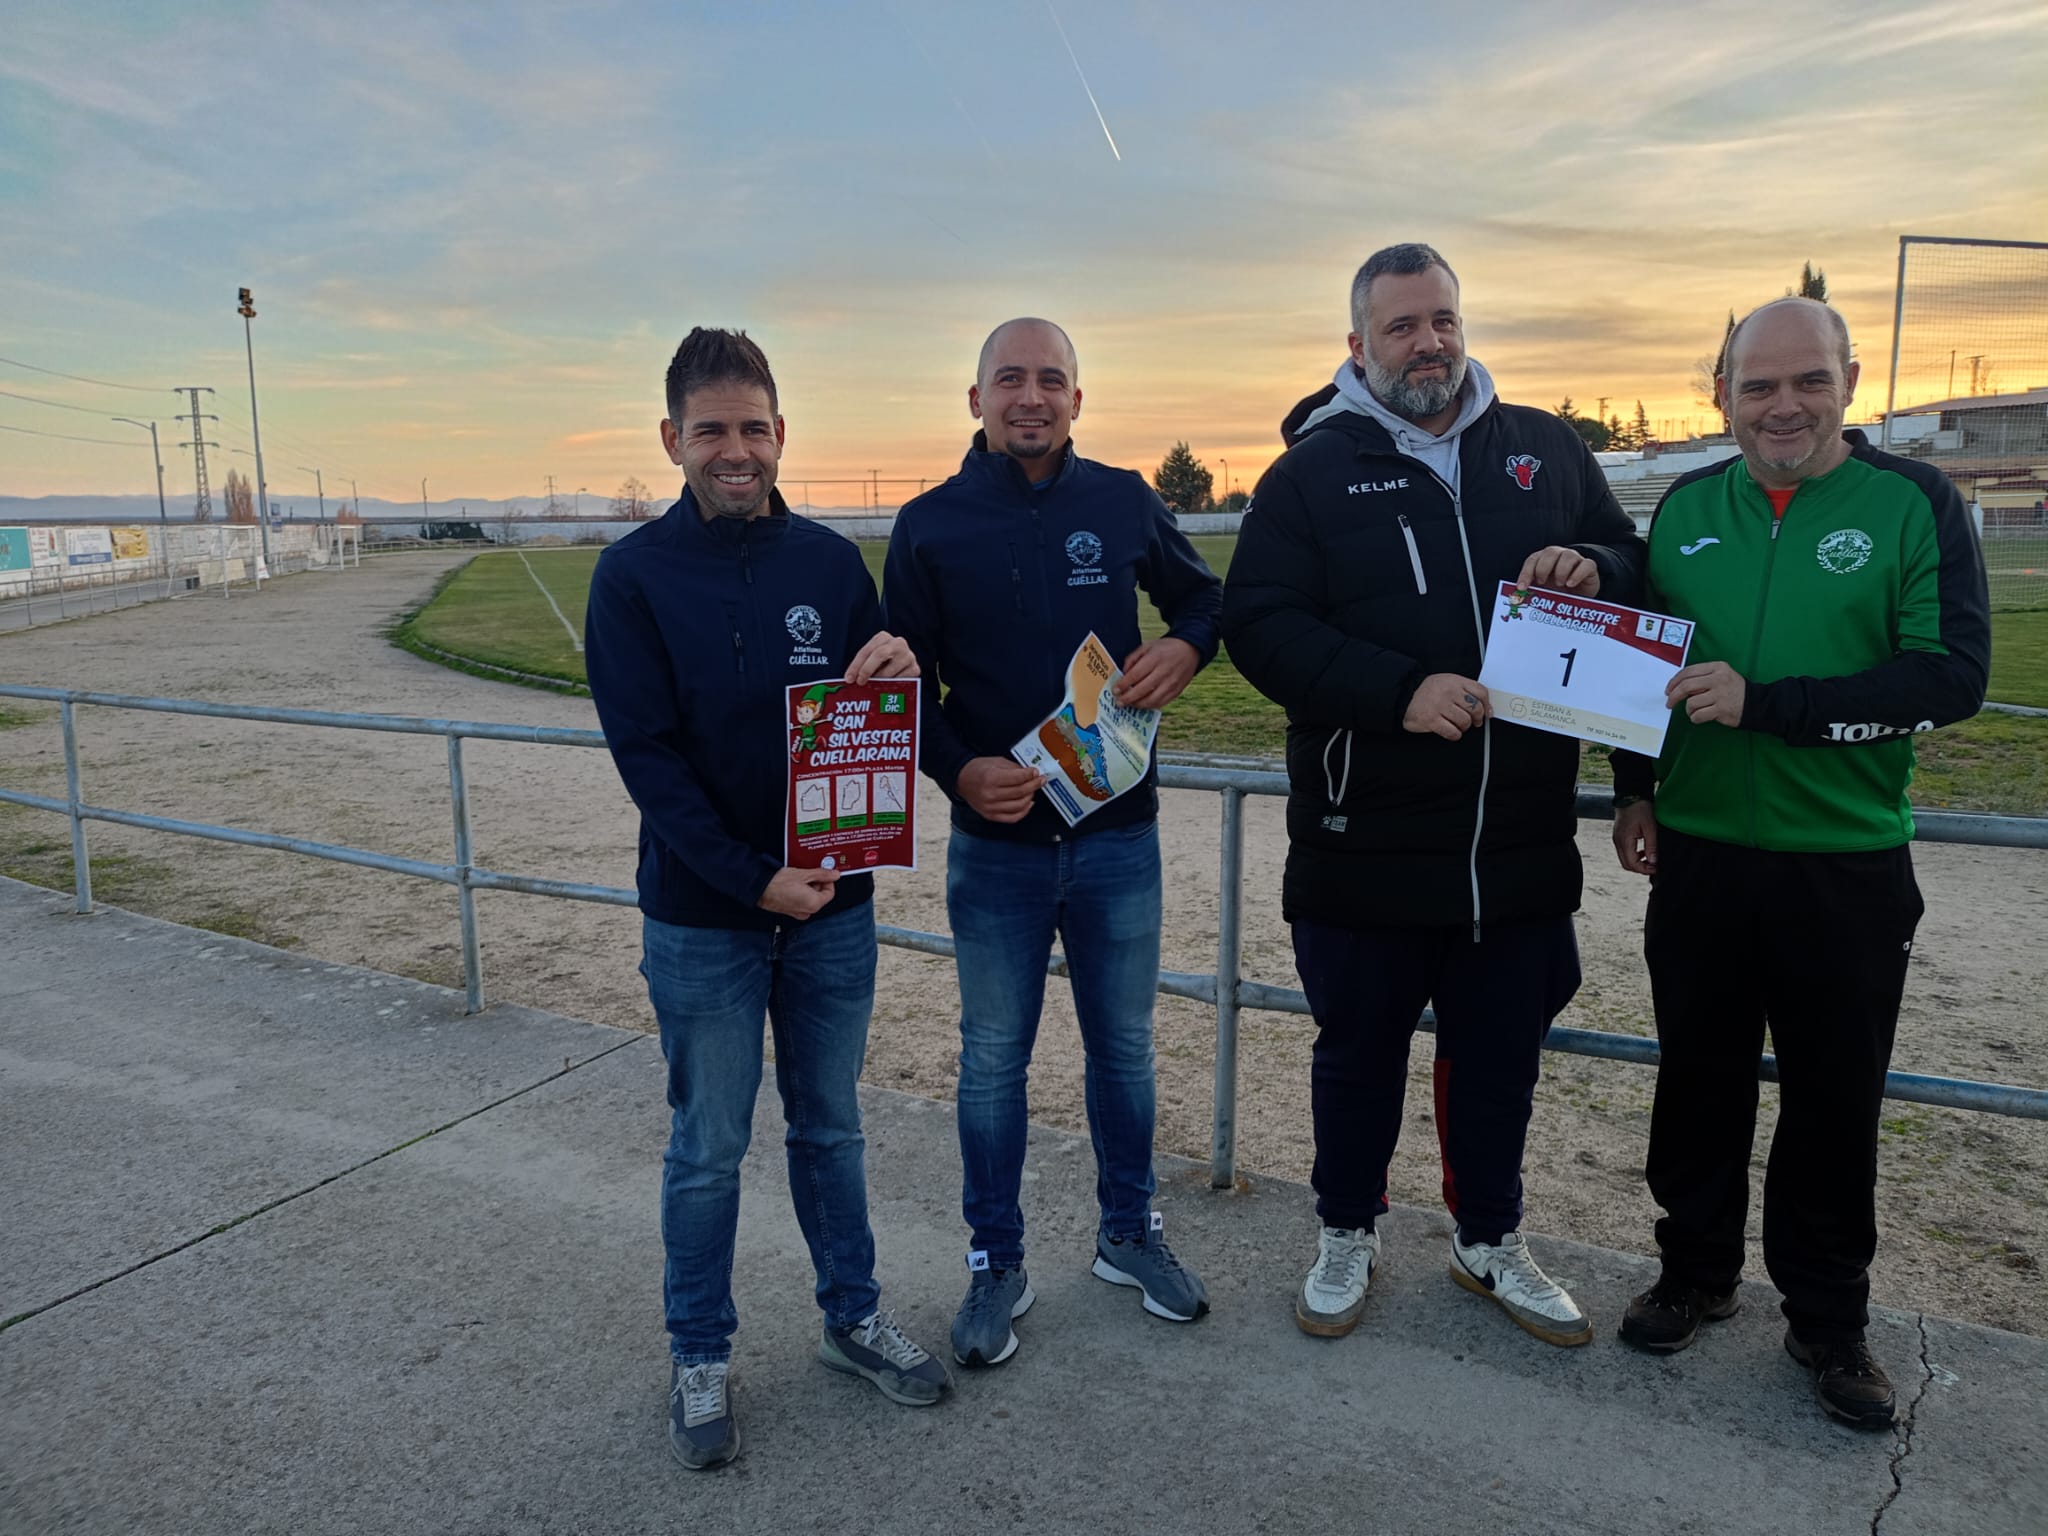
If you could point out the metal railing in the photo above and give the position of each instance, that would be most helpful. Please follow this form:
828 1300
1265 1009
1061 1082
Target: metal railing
1230 778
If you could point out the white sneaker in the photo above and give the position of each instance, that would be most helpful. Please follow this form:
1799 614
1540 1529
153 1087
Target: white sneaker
1334 1293
1507 1272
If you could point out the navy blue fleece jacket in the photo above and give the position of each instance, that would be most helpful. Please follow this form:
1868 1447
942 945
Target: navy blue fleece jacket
995 582
693 631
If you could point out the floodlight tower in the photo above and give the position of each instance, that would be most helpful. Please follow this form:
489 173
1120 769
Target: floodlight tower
248 313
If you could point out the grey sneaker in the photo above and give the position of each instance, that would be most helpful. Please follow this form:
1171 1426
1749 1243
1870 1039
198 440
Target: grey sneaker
1334 1293
877 1349
702 1431
1172 1290
981 1328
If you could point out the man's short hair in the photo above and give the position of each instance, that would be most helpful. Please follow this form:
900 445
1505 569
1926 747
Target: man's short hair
1843 352
1394 261
708 356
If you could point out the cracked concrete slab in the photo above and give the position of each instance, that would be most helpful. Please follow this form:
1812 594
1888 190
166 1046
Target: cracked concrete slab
464 1336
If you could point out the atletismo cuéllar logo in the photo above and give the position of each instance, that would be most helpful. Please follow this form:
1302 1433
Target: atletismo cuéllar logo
1085 550
1845 550
805 628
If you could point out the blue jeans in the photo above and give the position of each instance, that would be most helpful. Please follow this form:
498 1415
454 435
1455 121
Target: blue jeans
710 987
1100 894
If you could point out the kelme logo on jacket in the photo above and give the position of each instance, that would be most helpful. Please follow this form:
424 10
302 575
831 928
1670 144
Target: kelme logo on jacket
1523 467
1844 550
805 628
1085 550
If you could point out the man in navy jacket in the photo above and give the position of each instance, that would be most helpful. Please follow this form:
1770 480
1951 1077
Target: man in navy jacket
995 578
697 623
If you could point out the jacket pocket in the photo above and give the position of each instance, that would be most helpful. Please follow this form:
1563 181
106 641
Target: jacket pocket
1414 556
1337 765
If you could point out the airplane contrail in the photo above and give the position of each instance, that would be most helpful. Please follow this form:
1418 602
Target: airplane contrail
1084 83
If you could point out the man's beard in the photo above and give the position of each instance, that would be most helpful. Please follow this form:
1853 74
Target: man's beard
1027 450
1417 401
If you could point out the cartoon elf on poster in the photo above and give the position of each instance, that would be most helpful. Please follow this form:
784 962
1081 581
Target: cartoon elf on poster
804 738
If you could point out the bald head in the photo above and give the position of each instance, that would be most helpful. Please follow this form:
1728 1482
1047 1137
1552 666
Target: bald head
1028 331
1786 386
1026 393
1794 314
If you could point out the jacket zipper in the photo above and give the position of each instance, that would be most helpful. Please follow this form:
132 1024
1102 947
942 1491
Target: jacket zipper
1756 645
739 645
1016 580
1337 787
1414 557
1486 727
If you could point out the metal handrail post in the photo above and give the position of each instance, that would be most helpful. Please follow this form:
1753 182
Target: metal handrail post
81 860
1229 953
472 959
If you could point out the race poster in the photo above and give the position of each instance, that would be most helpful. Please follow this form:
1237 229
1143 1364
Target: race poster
1091 749
1576 666
852 800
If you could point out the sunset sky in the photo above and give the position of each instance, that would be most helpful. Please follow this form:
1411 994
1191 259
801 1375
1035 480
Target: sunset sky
476 232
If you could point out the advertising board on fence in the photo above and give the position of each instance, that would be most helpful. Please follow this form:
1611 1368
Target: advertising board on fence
130 543
88 546
16 554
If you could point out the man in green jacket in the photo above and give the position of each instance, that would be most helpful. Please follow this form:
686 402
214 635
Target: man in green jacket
1839 599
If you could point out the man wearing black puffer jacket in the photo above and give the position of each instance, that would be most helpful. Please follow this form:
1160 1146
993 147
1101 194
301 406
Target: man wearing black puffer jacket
1431 853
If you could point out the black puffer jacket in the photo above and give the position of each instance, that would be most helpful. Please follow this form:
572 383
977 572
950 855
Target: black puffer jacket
1359 572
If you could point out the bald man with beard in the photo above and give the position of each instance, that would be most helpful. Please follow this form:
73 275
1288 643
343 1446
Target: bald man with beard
995 578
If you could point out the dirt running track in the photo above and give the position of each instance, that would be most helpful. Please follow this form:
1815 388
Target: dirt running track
1963 1198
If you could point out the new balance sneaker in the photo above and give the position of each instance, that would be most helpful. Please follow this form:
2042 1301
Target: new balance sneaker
995 1297
1172 1290
1334 1293
879 1350
1509 1273
702 1431
1667 1317
1847 1379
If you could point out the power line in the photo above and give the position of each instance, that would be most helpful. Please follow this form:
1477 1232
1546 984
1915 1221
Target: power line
54 404
140 389
111 442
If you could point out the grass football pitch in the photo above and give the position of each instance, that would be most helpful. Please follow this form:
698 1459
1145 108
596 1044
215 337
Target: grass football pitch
497 611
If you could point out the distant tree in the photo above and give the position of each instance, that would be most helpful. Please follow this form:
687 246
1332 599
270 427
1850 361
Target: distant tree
634 502
1183 484
1813 283
507 519
1236 501
1593 431
348 514
240 497
1640 430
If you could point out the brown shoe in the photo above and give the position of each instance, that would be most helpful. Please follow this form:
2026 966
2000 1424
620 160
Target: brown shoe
1847 1379
1665 1318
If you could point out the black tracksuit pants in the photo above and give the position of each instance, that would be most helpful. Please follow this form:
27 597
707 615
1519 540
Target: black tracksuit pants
1815 945
1494 1001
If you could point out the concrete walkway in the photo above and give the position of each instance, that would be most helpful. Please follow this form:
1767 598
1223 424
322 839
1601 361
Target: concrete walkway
292 1247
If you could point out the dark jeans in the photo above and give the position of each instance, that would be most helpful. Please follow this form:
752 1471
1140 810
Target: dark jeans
1815 945
1494 1001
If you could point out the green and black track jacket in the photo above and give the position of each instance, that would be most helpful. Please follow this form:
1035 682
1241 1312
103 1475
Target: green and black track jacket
1857 620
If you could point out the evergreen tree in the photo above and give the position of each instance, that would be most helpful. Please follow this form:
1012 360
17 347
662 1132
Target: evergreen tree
1813 283
1640 431
1182 482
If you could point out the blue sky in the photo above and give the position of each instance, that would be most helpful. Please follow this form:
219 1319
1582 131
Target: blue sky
475 232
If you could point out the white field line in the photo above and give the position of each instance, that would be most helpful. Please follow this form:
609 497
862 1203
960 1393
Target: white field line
574 638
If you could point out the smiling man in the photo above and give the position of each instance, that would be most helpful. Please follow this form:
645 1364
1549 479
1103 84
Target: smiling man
1839 601
697 623
1431 853
995 578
